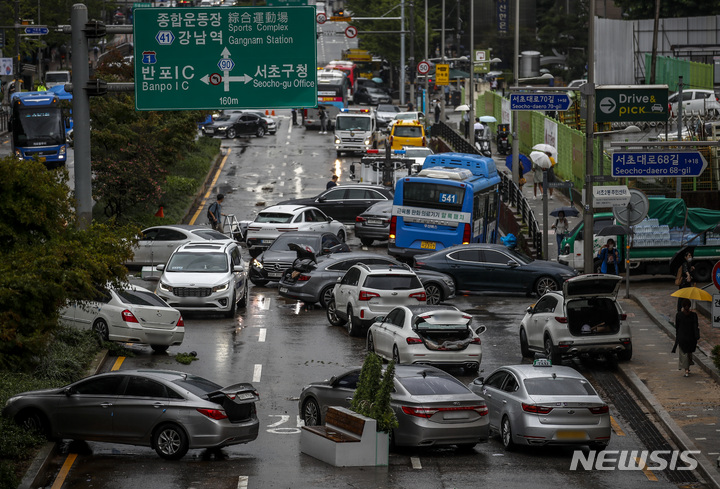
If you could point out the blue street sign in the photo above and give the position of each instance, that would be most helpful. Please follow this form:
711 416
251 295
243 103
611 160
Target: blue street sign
658 164
539 101
37 30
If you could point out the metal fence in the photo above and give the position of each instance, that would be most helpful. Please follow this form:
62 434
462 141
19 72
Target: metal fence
4 118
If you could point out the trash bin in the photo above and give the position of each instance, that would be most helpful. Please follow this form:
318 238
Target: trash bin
455 98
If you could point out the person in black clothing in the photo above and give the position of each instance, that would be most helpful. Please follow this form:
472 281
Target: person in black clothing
322 114
687 334
215 214
688 276
332 183
437 112
294 116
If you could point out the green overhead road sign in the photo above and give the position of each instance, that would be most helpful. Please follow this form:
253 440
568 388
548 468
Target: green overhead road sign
225 58
631 103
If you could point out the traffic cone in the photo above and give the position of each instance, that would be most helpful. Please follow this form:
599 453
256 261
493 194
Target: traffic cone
160 213
266 112
273 112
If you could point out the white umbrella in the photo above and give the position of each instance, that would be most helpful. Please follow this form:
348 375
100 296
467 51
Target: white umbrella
487 118
545 148
540 159
462 108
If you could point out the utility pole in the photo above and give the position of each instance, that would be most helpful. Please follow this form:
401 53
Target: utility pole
17 46
516 67
411 61
442 57
402 52
589 218
427 75
81 115
471 89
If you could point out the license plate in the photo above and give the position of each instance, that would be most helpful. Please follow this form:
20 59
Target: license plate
275 274
266 241
455 415
245 395
209 130
283 290
374 222
571 435
427 245
42 159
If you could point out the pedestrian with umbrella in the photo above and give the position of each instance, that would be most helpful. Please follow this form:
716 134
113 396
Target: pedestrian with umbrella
687 274
687 334
561 229
541 163
550 151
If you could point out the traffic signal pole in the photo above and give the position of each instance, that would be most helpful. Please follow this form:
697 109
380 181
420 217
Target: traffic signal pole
81 115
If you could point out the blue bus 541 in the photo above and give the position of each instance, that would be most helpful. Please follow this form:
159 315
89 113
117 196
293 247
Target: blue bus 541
38 128
453 200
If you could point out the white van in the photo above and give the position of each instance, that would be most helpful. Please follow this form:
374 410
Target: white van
53 78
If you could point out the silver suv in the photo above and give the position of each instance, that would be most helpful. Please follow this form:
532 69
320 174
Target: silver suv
368 291
205 277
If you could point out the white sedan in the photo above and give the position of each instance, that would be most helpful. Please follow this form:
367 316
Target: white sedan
434 335
131 314
277 219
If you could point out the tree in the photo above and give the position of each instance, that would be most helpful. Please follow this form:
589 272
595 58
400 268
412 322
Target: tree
642 9
382 410
47 260
368 384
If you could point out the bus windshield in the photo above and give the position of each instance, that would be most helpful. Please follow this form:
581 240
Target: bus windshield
43 126
433 196
352 123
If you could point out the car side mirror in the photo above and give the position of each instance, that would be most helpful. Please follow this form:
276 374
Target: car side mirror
480 329
160 267
238 268
512 264
68 391
479 381
339 279
380 319
530 310
329 219
321 199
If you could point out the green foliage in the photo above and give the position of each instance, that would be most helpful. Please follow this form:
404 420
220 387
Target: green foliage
381 410
566 33
47 260
642 9
716 356
367 386
117 349
185 358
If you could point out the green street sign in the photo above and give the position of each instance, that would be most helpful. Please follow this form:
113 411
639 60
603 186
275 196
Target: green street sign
285 3
631 103
225 58
141 5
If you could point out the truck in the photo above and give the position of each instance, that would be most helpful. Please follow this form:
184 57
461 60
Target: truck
669 226
357 130
38 127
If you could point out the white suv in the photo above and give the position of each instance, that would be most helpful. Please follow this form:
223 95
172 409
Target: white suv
368 291
695 101
205 277
584 318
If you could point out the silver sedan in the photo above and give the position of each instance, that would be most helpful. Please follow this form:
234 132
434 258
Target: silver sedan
542 404
168 411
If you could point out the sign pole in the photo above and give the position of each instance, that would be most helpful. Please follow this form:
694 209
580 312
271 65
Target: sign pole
589 218
81 116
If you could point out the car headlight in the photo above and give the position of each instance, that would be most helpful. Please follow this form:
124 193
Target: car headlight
256 264
567 275
367 141
222 128
448 282
220 288
337 140
165 287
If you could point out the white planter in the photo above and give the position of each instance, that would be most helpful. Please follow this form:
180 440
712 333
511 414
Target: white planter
382 449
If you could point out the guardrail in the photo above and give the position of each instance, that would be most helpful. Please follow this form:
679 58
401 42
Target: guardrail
4 118
509 191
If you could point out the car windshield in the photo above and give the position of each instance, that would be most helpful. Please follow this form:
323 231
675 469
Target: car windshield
392 282
417 152
442 321
197 385
558 386
431 384
209 234
375 90
274 217
408 131
407 115
140 298
351 123
198 262
222 118
388 108
282 242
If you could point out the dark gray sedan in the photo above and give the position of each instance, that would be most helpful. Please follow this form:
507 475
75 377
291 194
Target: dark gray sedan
316 286
166 410
374 223
432 407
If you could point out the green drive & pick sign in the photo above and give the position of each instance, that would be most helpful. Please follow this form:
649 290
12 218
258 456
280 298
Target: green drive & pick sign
631 103
228 58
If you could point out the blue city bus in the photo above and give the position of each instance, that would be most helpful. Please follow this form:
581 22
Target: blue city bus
453 200
333 95
38 128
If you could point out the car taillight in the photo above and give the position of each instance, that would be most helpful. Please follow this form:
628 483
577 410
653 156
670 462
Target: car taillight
424 141
600 410
623 317
390 140
419 296
419 263
128 317
476 341
303 278
466 234
413 341
180 323
366 296
216 414
393 225
419 412
532 408
360 219
561 320
285 230
482 410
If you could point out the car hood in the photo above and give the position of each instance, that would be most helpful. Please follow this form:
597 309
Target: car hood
269 256
550 267
592 285
207 279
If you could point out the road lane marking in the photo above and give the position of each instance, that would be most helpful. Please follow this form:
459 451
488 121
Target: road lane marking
118 362
261 335
257 372
210 188
60 480
416 463
616 427
264 303
648 473
242 482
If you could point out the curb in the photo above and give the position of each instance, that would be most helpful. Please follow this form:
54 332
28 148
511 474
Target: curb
705 467
204 188
35 473
702 357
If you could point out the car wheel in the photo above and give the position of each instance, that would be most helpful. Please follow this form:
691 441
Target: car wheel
159 348
231 133
524 348
259 282
341 236
332 316
370 343
396 355
626 354
170 442
552 353
311 413
101 330
33 420
260 132
545 284
506 434
233 308
366 241
433 294
326 296
244 298
352 325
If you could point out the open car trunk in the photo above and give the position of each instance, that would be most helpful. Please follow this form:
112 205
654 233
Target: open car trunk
592 316
443 338
237 400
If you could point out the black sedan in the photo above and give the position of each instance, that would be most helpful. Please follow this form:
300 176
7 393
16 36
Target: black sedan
166 410
478 267
346 202
234 124
271 263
